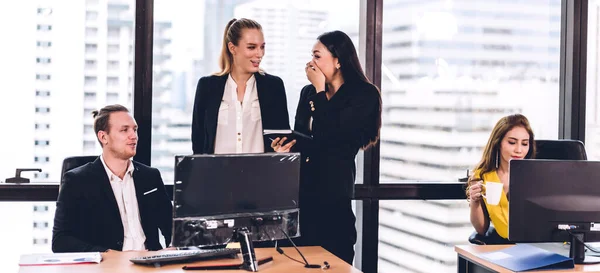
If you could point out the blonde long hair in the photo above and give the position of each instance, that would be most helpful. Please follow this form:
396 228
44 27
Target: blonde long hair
233 33
491 152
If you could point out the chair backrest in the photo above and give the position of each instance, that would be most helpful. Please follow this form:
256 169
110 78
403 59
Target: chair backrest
565 149
73 162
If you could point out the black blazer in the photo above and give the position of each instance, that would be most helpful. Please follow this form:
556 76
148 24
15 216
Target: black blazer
87 217
340 127
209 93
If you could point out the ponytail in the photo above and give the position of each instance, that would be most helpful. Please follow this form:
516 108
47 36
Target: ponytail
233 33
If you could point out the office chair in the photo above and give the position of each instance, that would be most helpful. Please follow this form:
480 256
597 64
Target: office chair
563 149
73 162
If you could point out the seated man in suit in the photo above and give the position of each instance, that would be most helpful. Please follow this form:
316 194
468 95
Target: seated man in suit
113 203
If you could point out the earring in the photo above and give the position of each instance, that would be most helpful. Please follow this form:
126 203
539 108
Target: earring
337 66
497 159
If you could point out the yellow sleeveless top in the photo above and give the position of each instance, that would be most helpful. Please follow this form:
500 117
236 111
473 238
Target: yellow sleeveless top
498 213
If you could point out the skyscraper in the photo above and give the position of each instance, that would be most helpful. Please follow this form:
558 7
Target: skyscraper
71 58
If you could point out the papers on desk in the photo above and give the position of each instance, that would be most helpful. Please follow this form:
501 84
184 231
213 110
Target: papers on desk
524 257
60 258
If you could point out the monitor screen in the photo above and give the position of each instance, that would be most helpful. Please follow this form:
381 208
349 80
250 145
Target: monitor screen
209 185
547 195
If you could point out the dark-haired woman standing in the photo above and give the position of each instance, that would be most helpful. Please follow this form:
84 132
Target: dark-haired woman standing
341 109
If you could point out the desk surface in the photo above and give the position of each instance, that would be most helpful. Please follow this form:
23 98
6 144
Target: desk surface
468 251
119 262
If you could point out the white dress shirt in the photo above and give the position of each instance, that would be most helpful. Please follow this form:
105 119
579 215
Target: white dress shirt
239 128
124 191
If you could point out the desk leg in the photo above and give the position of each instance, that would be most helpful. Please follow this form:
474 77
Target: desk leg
462 265
466 266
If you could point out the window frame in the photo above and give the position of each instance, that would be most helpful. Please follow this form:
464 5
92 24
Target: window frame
573 61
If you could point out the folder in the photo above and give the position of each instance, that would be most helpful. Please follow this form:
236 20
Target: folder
525 257
270 135
60 258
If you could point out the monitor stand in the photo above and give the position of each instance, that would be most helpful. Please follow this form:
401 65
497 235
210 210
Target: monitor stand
577 250
247 247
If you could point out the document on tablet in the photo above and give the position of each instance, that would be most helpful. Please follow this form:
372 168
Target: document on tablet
288 133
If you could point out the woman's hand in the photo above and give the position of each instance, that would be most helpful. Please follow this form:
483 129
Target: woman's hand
278 147
475 190
315 76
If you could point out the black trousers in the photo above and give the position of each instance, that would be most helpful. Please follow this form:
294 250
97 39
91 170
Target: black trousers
329 224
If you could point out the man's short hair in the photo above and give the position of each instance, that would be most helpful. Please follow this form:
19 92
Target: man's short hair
101 118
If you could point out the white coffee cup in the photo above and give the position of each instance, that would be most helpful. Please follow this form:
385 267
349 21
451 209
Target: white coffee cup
493 192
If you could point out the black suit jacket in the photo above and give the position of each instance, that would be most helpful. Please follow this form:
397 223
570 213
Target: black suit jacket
87 217
209 93
340 127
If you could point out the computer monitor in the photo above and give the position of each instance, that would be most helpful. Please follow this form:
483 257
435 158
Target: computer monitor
555 201
242 197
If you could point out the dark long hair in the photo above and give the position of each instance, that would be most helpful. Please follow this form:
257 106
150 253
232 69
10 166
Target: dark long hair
340 46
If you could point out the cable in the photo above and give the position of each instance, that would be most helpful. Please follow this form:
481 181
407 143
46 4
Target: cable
306 264
283 253
593 249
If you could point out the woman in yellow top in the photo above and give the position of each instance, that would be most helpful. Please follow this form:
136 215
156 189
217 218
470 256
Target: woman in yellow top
511 138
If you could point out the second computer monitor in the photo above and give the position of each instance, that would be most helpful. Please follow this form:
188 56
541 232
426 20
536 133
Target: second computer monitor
552 200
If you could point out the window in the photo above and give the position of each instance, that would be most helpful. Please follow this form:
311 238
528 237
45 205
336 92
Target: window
449 72
88 129
91 48
90 80
42 142
42 110
41 159
112 98
91 15
40 241
44 44
31 45
42 126
112 65
91 32
41 60
592 118
89 144
114 32
44 27
113 49
89 95
44 11
40 225
43 77
40 93
425 244
112 81
43 175
458 97
91 64
290 38
87 111
41 208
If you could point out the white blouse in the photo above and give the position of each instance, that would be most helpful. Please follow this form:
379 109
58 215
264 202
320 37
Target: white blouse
239 128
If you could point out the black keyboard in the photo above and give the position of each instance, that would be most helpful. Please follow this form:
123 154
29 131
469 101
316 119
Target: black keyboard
185 255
